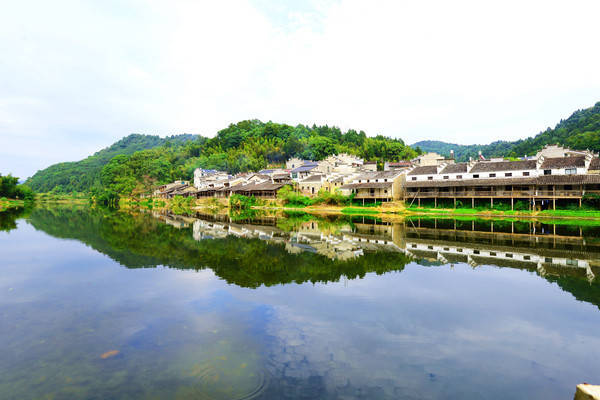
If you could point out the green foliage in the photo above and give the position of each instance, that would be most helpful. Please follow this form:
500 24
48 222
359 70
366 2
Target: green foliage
182 205
580 131
241 202
10 188
82 175
292 198
137 163
591 200
104 197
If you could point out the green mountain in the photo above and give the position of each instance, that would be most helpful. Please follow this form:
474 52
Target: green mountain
246 146
580 131
81 175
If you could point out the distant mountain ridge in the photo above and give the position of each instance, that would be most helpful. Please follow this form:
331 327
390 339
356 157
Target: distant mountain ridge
580 131
81 175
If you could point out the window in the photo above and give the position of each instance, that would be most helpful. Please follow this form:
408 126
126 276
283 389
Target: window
430 178
526 173
548 260
508 255
475 175
414 178
458 176
430 247
572 262
492 254
414 246
547 172
526 258
385 180
385 191
508 174
446 248
446 177
570 171
475 251
459 250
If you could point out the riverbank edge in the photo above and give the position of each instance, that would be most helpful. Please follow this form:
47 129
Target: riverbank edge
395 209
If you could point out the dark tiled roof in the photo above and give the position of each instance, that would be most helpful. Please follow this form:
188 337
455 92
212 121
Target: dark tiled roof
470 182
489 166
379 175
563 162
595 164
455 168
305 168
370 185
426 170
265 186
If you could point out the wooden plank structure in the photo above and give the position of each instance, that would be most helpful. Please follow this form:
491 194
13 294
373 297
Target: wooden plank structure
548 189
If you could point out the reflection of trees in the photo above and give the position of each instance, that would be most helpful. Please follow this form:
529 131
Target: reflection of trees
8 218
138 240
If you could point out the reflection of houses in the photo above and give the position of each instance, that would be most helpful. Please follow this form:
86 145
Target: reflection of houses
343 243
549 249
537 248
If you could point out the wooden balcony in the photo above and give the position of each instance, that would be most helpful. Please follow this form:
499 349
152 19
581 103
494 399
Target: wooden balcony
535 194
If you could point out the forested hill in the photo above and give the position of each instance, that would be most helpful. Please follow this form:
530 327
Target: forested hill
246 146
79 176
580 131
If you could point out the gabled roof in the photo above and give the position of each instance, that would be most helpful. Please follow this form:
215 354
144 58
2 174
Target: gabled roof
455 168
563 162
305 168
595 164
425 170
489 166
379 175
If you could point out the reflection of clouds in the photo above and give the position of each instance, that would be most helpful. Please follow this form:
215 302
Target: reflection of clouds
382 337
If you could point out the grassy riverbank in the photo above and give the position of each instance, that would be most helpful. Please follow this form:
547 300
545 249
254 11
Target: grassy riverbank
6 204
571 213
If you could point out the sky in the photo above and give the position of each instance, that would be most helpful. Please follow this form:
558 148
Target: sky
76 76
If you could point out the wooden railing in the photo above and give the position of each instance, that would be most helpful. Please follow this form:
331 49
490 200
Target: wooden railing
501 193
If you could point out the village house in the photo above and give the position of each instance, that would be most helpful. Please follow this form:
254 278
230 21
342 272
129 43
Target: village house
382 186
541 180
311 185
398 165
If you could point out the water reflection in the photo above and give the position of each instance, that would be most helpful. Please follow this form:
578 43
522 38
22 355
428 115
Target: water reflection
442 322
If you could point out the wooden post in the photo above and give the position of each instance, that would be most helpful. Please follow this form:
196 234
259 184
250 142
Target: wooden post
472 202
435 202
512 201
419 202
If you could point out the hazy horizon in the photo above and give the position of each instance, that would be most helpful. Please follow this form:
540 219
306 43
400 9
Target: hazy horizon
78 76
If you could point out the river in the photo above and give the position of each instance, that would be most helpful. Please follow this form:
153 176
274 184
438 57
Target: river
98 304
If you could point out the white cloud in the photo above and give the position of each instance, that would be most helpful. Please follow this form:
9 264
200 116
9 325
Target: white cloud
76 76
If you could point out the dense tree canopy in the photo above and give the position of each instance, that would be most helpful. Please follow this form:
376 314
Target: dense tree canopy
80 176
245 146
10 188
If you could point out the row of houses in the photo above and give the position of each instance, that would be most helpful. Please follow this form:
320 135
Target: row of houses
553 174
343 173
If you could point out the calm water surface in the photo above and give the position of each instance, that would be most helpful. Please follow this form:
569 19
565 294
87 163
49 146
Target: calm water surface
115 305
